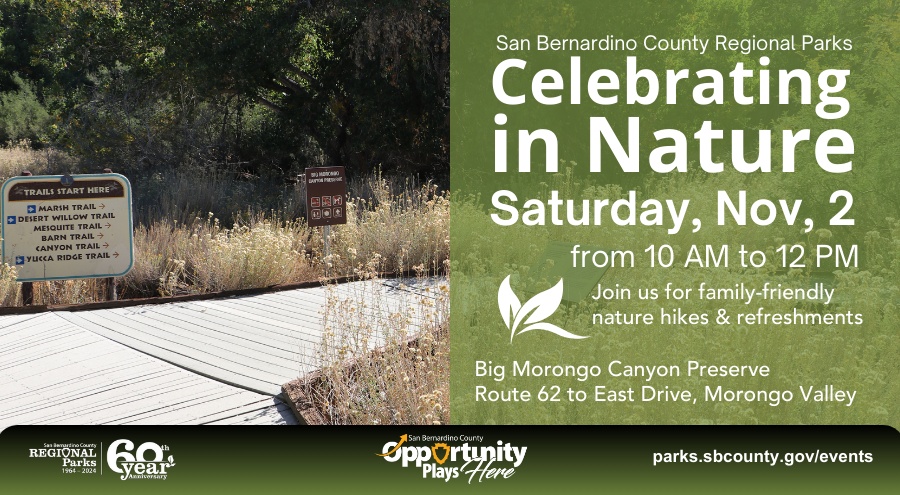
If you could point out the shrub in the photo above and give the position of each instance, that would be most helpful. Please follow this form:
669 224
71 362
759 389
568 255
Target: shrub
21 114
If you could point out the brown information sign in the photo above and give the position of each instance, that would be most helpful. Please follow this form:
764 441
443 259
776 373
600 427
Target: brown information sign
326 194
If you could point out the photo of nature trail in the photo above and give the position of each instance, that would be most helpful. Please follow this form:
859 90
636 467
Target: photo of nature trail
213 110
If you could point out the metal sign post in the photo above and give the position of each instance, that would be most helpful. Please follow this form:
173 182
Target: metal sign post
111 294
326 233
27 287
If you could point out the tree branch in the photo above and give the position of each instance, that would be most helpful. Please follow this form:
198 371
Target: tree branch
303 74
294 85
258 99
268 104
277 87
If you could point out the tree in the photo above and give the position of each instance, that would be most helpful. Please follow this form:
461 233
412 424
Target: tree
365 82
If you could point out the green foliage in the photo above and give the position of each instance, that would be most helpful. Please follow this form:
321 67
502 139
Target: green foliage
21 114
269 83
129 123
18 42
365 83
873 118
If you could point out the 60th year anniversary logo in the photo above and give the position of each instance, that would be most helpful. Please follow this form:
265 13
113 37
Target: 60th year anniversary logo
148 462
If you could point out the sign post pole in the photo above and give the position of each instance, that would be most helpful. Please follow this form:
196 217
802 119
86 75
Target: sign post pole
27 287
326 231
111 281
111 289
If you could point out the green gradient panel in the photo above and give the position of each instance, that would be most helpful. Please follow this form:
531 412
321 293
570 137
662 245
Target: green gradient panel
846 341
597 458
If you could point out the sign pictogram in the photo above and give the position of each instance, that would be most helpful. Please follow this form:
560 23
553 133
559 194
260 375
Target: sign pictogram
326 187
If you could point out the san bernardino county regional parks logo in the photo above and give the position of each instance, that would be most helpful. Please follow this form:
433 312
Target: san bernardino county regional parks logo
136 466
481 462
534 311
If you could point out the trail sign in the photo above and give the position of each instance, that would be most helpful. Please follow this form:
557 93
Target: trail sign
61 227
326 194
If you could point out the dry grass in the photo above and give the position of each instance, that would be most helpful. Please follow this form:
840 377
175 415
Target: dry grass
183 194
407 229
17 157
205 257
181 246
8 287
52 292
406 380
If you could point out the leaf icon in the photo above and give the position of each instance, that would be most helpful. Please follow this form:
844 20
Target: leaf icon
541 306
535 310
507 301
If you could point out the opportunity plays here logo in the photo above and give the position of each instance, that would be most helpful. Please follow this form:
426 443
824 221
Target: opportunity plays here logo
533 312
443 460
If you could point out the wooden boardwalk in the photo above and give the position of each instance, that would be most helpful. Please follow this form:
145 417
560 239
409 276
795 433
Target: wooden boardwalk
53 372
200 362
254 342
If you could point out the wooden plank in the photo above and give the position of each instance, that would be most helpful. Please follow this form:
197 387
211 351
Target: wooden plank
198 398
286 313
32 355
306 332
235 307
104 412
308 303
70 374
56 371
385 314
250 328
280 415
42 345
239 400
9 320
17 342
67 371
290 306
26 329
94 409
189 346
171 328
222 343
118 413
243 411
92 386
108 390
276 348
89 360
184 361
418 286
196 412
297 321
